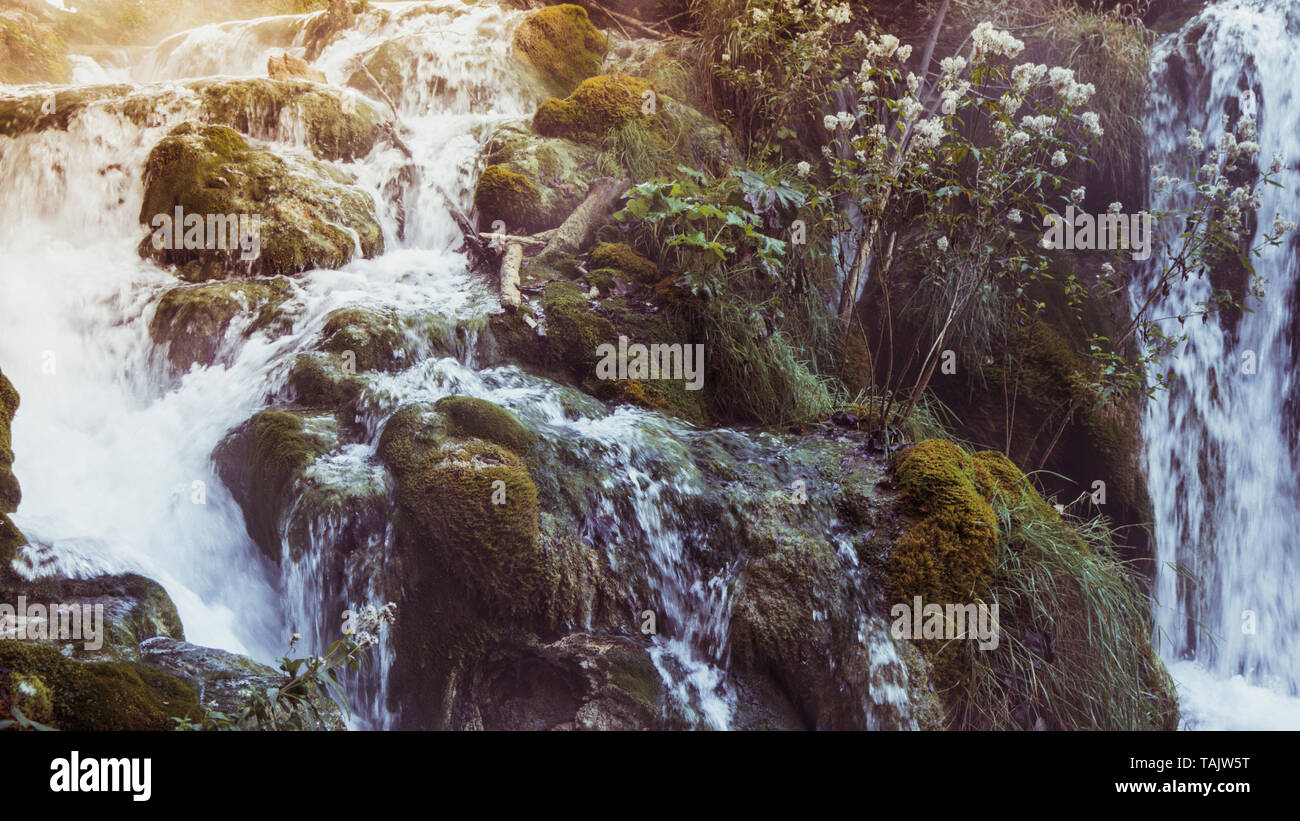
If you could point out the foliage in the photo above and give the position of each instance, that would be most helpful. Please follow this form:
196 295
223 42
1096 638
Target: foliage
297 699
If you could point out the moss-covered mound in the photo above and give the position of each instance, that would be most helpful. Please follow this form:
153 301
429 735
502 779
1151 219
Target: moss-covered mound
562 45
947 554
477 506
599 105
576 330
1074 648
71 695
503 194
532 183
369 339
262 462
192 320
481 419
337 126
311 214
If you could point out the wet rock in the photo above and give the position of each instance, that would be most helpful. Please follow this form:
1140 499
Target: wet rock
581 682
311 215
288 67
191 322
223 680
561 44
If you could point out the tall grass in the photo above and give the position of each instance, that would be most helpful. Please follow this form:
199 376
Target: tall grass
1064 595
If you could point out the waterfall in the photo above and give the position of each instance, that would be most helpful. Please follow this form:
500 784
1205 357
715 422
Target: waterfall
115 452
1223 457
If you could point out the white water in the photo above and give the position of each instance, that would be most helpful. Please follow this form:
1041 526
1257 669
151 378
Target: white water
1222 454
110 445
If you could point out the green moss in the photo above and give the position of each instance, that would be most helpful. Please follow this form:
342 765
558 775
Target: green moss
561 44
409 435
374 339
306 207
599 104
322 381
622 257
481 530
573 330
337 126
10 494
481 419
502 194
192 320
99 695
261 462
947 553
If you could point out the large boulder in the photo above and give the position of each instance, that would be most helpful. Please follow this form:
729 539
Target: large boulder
562 45
311 215
191 322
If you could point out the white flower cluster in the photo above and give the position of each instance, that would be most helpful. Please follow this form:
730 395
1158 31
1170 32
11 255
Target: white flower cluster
1092 122
1282 225
803 168
1070 91
1059 159
1194 140
369 620
1042 124
942 242
1026 76
952 66
928 134
839 14
885 47
990 41
951 94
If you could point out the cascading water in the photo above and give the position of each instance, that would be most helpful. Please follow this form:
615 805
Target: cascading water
1223 455
116 451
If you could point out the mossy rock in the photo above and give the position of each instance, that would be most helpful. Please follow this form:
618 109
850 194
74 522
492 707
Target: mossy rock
562 45
576 328
135 608
469 416
312 216
95 695
370 339
263 461
10 493
337 125
477 507
502 194
323 381
790 623
948 551
192 320
599 105
532 183
623 258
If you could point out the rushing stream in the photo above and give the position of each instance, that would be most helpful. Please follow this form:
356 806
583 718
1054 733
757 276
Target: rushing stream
116 451
1222 449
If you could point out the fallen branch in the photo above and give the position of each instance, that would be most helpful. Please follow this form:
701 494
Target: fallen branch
514 257
623 18
579 229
